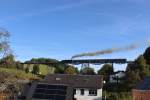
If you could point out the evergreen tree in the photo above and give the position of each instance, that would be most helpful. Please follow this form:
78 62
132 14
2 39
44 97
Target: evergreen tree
36 69
147 55
27 70
137 71
106 70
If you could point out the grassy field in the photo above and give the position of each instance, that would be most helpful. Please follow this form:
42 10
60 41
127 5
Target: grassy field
44 69
19 73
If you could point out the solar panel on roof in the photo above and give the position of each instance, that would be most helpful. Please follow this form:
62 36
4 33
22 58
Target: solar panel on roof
51 87
41 85
50 92
60 98
61 87
50 97
39 90
39 96
60 92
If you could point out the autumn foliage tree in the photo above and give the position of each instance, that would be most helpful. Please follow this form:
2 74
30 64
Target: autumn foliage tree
87 71
71 70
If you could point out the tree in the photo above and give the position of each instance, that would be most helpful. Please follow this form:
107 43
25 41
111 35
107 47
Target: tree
87 71
9 58
19 65
143 67
8 61
42 60
71 70
4 43
36 69
27 70
60 69
106 70
132 78
5 51
137 71
140 61
147 55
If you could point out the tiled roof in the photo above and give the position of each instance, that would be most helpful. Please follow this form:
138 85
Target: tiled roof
77 81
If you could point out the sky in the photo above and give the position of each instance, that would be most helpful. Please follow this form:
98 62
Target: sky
62 28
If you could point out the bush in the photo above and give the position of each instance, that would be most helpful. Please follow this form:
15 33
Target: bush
27 70
36 69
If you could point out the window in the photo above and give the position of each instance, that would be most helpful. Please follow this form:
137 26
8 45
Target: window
74 91
82 91
93 92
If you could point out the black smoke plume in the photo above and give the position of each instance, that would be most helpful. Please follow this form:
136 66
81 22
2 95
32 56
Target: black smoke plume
107 51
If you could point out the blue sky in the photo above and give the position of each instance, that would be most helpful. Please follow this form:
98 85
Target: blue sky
61 28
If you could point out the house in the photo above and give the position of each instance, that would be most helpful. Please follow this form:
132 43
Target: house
67 87
142 92
116 77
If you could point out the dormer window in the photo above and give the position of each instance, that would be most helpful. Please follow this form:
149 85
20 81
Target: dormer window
58 79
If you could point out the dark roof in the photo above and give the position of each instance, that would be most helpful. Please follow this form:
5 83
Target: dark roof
76 81
145 84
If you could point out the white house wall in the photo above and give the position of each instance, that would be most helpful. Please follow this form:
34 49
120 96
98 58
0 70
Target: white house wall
86 96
